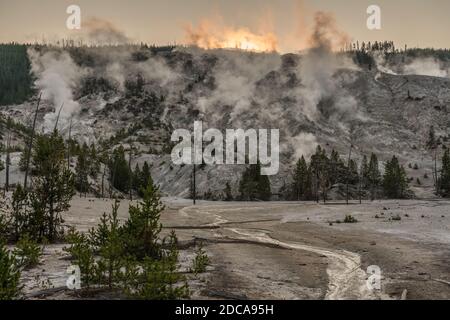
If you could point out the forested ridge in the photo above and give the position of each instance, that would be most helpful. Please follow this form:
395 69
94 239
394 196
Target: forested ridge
16 81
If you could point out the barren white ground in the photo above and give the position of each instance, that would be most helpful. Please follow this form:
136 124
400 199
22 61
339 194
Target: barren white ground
284 250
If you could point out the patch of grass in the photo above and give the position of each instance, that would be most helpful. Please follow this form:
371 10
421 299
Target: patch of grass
9 275
350 219
201 261
28 252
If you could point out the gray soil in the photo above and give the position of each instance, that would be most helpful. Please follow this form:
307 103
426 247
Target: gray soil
289 250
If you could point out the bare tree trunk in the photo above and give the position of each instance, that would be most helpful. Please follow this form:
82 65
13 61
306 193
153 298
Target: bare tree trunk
103 181
317 185
69 145
112 183
194 190
360 188
30 144
436 178
348 171
131 174
8 159
59 114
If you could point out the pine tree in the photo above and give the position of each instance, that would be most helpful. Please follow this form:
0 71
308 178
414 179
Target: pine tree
82 171
263 188
336 167
445 174
364 172
146 178
53 185
16 80
5 221
353 172
137 178
431 141
395 181
320 170
94 162
111 248
432 146
228 192
143 226
374 176
254 186
299 187
120 174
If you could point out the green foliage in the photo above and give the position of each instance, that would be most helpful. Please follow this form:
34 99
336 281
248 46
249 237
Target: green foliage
94 162
141 179
228 192
53 186
445 174
254 186
22 218
28 252
159 279
364 59
320 172
432 141
353 174
9 275
110 248
5 220
141 231
37 212
373 176
395 182
350 219
4 227
120 174
83 255
300 185
130 258
15 76
82 170
23 160
201 261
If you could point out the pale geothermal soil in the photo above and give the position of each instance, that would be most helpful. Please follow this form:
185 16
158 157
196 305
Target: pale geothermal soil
282 250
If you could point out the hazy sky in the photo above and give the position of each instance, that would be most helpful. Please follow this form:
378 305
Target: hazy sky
421 23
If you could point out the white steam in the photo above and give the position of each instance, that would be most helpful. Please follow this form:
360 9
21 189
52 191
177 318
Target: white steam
427 67
57 77
304 144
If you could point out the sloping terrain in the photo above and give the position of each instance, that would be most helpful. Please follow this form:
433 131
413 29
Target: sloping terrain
137 96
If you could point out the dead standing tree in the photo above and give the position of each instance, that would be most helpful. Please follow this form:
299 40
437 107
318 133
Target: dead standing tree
348 173
30 143
8 156
69 144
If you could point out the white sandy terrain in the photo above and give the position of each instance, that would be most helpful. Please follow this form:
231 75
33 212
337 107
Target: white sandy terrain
286 250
